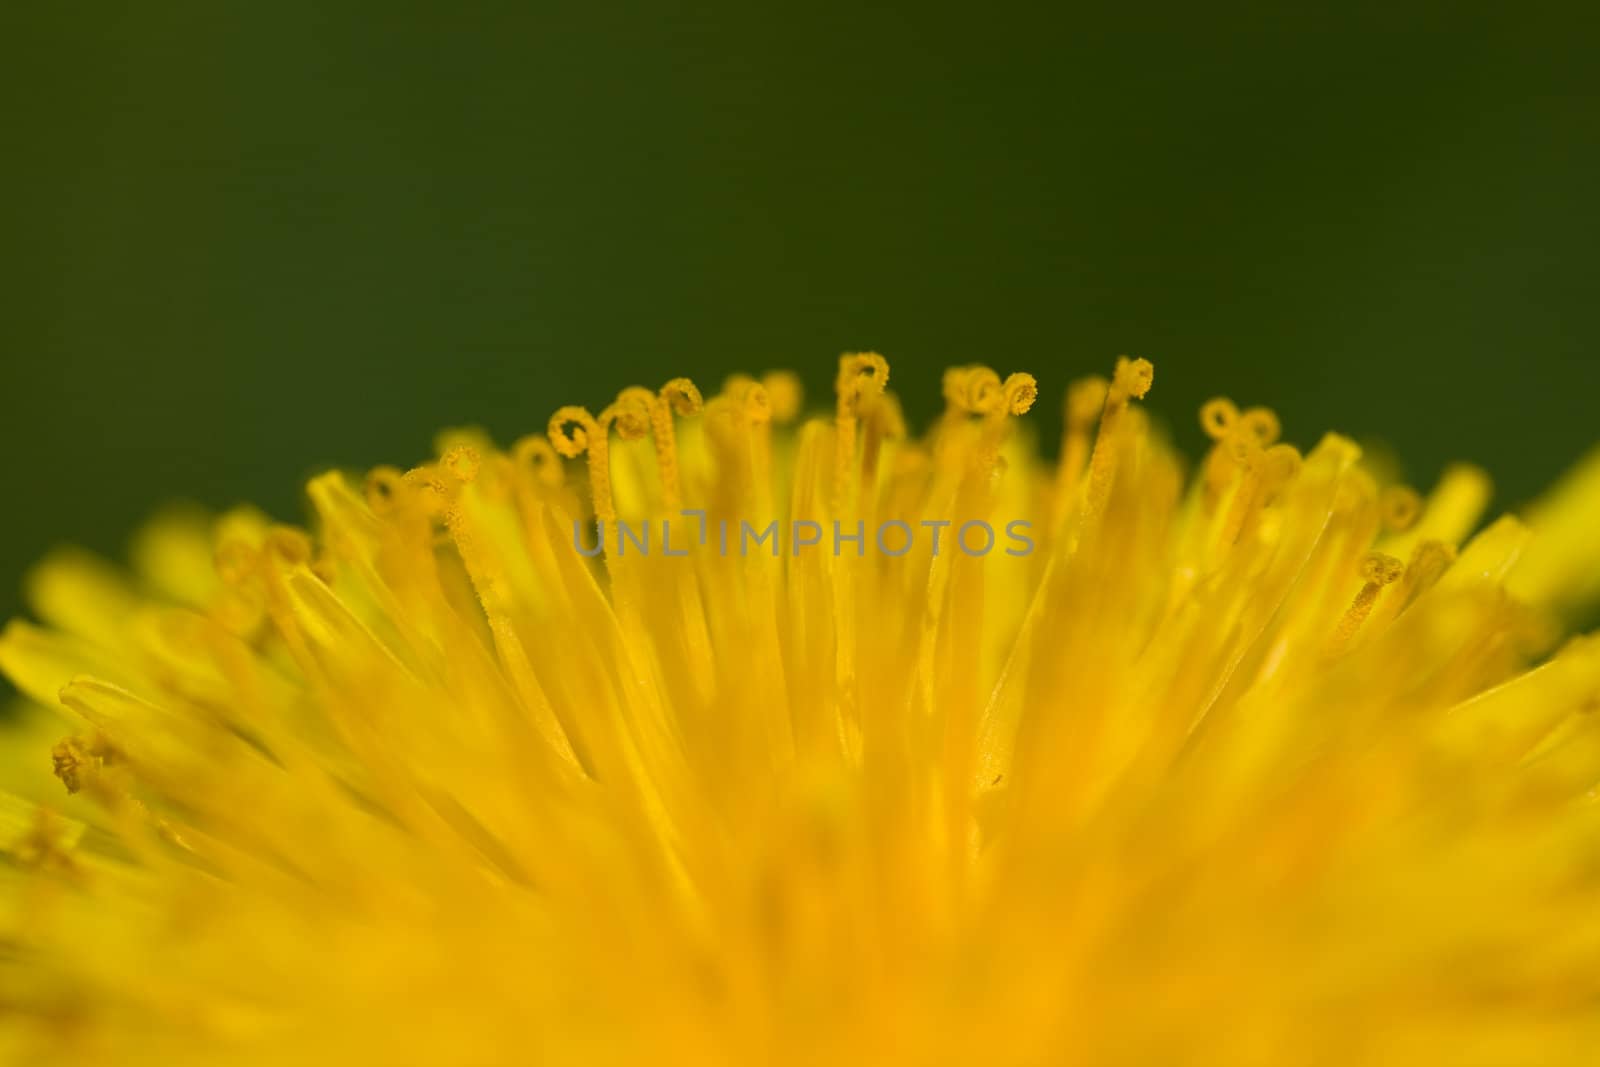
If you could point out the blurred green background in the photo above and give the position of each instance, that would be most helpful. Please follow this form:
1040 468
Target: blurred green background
244 241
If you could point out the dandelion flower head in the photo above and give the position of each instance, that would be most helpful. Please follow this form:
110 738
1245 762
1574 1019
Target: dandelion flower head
846 746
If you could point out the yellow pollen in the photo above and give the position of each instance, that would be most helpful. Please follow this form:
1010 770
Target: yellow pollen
1020 391
68 759
573 433
461 463
1377 571
629 414
570 430
1133 378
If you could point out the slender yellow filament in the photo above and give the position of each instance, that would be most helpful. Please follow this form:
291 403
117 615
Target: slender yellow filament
1085 398
1377 571
573 433
862 375
1131 381
678 397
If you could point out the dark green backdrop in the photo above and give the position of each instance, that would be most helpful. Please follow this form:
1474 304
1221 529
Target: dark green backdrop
241 241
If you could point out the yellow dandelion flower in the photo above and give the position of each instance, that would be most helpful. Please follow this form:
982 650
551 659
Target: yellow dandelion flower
688 733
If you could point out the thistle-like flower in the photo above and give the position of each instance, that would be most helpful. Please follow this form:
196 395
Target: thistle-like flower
685 733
